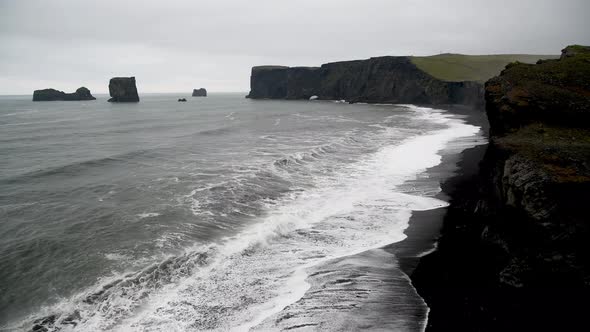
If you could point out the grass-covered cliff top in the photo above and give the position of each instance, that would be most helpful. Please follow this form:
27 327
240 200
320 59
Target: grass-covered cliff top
553 92
562 152
543 112
479 68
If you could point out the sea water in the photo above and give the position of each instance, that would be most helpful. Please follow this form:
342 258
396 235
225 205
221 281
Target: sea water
221 213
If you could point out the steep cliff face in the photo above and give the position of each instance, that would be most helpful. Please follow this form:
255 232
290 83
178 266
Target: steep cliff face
123 89
53 95
382 79
514 250
302 82
268 82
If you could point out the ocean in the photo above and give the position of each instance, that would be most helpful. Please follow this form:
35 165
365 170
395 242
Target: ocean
221 213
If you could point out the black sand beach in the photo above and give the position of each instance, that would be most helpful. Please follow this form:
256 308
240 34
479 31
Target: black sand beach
454 171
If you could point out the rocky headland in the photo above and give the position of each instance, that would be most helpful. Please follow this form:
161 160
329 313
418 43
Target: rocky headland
513 253
123 89
81 93
200 92
386 79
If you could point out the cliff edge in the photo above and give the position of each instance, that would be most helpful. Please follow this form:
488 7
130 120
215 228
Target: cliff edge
514 250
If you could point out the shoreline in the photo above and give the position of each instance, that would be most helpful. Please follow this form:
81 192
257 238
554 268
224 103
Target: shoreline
455 168
373 280
425 227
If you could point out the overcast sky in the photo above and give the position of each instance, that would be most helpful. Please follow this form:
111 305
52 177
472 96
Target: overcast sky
175 46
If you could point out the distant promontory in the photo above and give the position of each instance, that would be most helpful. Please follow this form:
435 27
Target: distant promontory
55 95
123 89
200 92
441 79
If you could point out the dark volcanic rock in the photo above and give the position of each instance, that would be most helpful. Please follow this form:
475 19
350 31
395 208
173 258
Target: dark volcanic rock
200 92
52 95
123 89
514 252
268 82
382 79
302 82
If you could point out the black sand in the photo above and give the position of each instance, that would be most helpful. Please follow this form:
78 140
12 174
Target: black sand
424 226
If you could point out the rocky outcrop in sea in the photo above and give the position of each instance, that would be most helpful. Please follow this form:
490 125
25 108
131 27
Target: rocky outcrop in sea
200 92
514 251
81 93
123 89
376 80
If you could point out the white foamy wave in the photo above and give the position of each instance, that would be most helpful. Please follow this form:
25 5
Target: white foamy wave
148 215
116 257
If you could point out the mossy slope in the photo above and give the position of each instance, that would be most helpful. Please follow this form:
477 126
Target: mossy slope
478 68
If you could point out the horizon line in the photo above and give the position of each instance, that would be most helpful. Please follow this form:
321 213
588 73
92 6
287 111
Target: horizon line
143 93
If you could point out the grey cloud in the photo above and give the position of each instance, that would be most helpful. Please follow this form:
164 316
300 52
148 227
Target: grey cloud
177 45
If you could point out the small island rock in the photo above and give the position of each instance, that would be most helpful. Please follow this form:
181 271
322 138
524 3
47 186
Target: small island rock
123 89
53 95
200 92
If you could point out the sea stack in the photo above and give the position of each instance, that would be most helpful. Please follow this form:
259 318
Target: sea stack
200 92
123 90
53 95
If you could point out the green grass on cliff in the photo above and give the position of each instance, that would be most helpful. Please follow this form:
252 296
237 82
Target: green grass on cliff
563 152
479 68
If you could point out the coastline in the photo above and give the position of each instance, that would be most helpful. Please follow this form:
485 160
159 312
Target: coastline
512 252
453 173
454 169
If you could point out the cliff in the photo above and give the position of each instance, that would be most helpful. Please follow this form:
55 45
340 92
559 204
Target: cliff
514 250
123 89
199 92
377 80
53 95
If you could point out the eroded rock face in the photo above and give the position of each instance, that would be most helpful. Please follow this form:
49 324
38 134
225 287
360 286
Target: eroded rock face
382 79
514 252
199 92
53 95
123 89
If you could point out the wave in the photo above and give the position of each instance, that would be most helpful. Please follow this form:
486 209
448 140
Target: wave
250 278
37 123
216 131
24 111
78 167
